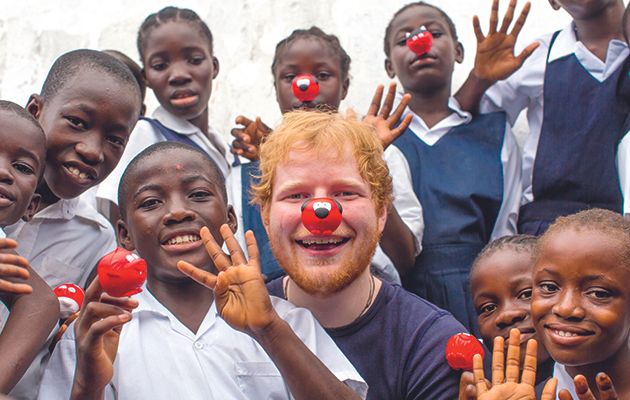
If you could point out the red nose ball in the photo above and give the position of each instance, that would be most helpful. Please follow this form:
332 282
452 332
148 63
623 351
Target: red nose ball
460 350
321 216
121 273
420 41
305 87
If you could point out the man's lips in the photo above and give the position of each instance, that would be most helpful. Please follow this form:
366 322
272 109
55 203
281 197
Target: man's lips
322 243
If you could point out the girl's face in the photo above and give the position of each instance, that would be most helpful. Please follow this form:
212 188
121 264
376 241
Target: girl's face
179 67
429 71
502 290
581 297
309 56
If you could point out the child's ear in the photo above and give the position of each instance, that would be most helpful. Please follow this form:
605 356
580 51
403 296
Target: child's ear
554 4
35 105
459 52
215 66
33 205
389 69
123 236
344 88
232 222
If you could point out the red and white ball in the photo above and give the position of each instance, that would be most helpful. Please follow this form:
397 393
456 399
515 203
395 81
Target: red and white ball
70 299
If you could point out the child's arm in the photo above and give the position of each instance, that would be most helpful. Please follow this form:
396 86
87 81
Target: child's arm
31 320
97 333
248 138
243 302
495 58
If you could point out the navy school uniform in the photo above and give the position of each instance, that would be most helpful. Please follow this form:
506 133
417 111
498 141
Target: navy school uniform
575 166
460 182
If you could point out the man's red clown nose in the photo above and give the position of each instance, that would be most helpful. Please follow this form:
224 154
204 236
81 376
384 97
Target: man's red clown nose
305 87
322 215
420 41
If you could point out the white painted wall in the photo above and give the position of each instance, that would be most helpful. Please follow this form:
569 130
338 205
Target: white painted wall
34 32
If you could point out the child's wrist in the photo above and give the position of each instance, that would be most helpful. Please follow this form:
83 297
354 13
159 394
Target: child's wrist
86 392
479 81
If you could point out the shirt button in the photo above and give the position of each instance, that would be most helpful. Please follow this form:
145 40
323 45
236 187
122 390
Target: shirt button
198 345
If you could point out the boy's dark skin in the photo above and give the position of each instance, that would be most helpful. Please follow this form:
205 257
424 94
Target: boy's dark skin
597 22
157 206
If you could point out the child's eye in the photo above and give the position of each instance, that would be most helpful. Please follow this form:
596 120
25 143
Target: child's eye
486 308
436 34
196 60
116 141
76 122
599 293
288 77
24 168
403 41
322 76
525 294
158 66
149 203
200 195
548 287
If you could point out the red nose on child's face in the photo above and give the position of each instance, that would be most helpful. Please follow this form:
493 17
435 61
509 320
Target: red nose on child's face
420 41
321 216
121 273
305 87
460 350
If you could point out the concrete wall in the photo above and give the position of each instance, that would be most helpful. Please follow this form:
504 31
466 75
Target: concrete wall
34 32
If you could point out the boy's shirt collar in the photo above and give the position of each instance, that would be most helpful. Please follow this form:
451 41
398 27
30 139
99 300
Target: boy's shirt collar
566 43
69 208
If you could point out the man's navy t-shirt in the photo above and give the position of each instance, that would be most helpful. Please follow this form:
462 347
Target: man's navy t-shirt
398 346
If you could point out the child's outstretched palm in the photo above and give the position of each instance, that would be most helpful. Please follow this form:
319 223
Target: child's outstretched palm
495 59
382 118
239 289
12 267
248 139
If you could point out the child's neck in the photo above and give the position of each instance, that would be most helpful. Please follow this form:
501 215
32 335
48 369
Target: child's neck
616 368
47 196
201 121
432 107
187 300
596 32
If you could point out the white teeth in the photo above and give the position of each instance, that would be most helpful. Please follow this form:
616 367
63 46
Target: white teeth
321 241
565 334
75 171
183 239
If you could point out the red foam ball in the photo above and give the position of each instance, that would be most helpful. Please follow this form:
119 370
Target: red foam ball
305 87
70 298
420 41
460 350
122 273
322 215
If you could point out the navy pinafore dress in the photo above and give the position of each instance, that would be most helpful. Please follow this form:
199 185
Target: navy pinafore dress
459 182
575 167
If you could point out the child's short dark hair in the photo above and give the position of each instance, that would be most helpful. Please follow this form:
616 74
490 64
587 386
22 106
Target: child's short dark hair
317 33
20 112
68 64
123 188
171 14
519 243
449 21
595 219
133 67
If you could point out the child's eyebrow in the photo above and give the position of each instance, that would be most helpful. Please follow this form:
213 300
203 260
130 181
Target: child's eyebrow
146 188
23 151
193 178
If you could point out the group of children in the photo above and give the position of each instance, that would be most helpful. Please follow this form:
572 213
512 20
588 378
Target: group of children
460 195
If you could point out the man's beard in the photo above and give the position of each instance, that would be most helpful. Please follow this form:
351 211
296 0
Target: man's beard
315 283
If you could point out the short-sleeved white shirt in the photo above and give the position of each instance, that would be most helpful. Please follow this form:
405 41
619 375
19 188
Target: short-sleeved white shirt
144 135
564 380
159 358
524 89
64 241
506 223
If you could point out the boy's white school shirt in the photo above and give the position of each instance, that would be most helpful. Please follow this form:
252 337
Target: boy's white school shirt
510 160
144 135
64 241
564 380
524 89
159 358
405 202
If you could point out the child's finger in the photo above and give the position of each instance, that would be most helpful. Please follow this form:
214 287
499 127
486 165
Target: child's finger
396 132
605 387
398 112
126 303
95 311
498 360
92 292
13 271
527 51
236 253
513 356
6 243
13 259
388 104
376 101
477 29
15 288
200 276
563 395
521 20
219 258
494 17
529 365
507 18
252 250
242 120
549 391
101 327
480 381
466 381
581 388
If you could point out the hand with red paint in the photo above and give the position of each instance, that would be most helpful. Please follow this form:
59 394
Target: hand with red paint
248 137
495 58
380 116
